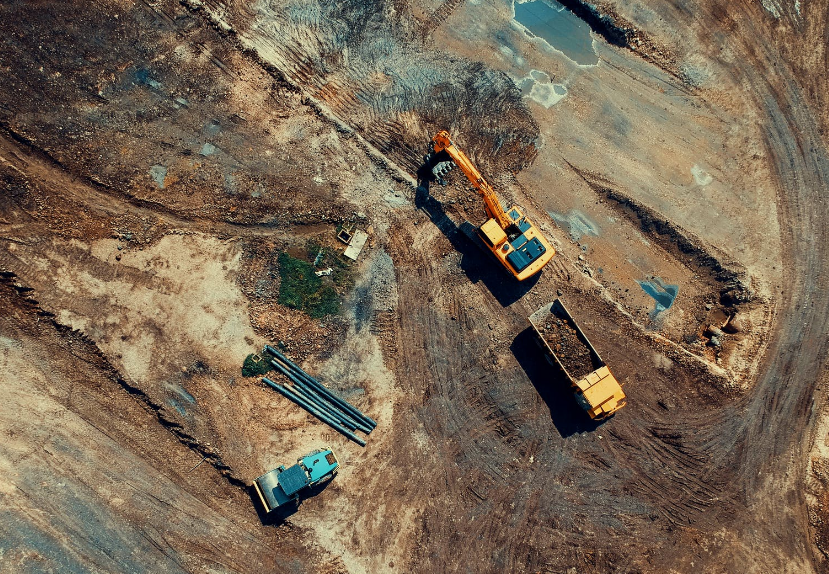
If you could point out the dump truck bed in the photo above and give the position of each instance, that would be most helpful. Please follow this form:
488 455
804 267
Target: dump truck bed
565 342
596 389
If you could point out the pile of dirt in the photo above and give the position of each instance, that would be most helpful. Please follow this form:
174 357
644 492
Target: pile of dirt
564 340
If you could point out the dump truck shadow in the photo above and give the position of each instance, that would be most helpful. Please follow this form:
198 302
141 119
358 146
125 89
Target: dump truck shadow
283 513
476 262
552 386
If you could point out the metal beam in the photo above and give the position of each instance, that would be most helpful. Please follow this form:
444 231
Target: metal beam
321 389
319 401
302 402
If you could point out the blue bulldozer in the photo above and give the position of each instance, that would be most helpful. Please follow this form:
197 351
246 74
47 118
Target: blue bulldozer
284 485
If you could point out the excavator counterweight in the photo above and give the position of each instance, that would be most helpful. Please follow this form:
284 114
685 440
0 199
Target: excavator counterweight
510 235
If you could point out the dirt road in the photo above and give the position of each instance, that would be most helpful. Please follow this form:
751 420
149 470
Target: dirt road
773 426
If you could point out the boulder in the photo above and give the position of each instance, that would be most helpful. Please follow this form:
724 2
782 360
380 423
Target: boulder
735 324
713 331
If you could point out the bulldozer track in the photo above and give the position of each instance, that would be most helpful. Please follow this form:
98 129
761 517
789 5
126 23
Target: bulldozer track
354 90
384 325
439 16
559 268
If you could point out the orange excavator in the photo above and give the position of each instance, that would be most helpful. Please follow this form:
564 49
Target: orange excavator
510 235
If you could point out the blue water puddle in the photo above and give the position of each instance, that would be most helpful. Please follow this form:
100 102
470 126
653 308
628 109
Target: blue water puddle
158 173
177 405
207 149
663 294
576 222
142 76
560 28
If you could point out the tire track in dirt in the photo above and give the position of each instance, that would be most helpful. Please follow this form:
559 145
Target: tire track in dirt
779 412
484 427
686 488
766 431
461 419
89 196
386 89
439 16
105 502
479 420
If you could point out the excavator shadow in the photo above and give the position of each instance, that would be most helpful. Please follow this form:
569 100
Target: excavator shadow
552 386
476 262
280 515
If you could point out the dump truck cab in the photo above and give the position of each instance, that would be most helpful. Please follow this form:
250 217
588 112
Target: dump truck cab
283 485
600 394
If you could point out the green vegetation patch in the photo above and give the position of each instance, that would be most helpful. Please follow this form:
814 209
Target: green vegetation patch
300 288
255 365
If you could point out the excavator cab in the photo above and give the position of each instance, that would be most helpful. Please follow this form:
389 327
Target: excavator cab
526 245
513 244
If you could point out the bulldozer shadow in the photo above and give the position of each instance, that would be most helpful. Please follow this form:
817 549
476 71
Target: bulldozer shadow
476 262
552 386
281 515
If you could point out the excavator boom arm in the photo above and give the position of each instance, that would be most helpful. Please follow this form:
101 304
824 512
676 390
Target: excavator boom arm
511 237
491 204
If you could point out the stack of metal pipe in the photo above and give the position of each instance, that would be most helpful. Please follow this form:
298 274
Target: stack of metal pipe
314 397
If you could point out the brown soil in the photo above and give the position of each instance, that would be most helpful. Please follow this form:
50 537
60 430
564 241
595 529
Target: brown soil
564 341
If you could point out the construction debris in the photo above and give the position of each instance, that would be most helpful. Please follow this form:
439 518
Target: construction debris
356 245
346 232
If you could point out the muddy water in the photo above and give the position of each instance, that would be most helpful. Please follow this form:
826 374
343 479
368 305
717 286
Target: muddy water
663 294
560 28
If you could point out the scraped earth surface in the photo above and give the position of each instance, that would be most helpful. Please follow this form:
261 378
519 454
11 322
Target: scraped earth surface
157 157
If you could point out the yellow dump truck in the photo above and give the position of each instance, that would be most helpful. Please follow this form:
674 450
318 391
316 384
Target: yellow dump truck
596 389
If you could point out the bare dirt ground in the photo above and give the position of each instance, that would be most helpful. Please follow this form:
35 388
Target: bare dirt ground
157 157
